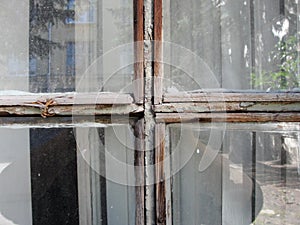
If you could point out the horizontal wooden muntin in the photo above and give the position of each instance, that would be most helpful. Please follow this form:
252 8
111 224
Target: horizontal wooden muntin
238 96
226 117
72 98
242 106
68 104
18 122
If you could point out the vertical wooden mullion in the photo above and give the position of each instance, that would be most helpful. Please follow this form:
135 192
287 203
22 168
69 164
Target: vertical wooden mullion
139 163
160 174
168 178
138 50
158 52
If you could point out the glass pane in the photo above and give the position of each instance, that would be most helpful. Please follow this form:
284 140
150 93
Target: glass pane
66 45
244 174
67 176
232 45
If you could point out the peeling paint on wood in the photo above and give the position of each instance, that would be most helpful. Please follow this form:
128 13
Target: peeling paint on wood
24 110
148 114
194 107
71 110
158 51
160 174
231 97
249 126
227 117
168 180
139 51
139 163
66 99
57 122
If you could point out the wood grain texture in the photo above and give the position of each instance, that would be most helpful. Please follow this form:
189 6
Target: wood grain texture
248 106
67 121
158 52
230 97
139 163
66 98
138 51
226 117
71 110
160 174
68 104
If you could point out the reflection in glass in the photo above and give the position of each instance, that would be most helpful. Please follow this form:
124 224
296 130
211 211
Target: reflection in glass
254 179
48 46
245 44
62 176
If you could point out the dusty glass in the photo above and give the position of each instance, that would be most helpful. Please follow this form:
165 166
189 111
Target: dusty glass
252 178
66 45
66 175
223 44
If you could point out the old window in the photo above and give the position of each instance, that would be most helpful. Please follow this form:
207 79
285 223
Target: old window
149 112
69 113
226 82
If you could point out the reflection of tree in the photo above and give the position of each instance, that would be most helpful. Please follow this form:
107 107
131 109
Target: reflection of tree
285 74
43 14
284 57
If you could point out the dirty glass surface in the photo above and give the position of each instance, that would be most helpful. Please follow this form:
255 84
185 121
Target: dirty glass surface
244 174
66 45
66 176
231 45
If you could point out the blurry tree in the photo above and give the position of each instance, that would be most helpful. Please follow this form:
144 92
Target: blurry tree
286 74
43 15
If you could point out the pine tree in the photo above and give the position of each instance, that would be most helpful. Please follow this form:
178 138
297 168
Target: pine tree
45 13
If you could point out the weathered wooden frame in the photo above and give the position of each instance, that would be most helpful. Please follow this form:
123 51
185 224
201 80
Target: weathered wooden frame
138 51
218 106
205 108
229 107
68 104
158 51
28 110
49 105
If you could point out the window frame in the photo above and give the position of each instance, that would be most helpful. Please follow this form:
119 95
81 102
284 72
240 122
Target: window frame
150 116
205 106
45 110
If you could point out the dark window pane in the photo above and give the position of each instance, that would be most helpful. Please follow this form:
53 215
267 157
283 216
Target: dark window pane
53 176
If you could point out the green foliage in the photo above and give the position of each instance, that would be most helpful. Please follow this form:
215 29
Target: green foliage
286 74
